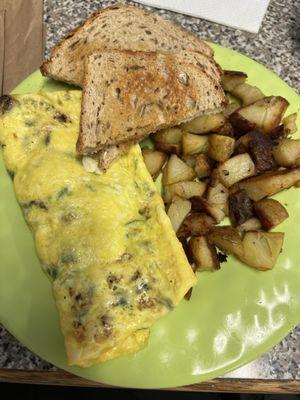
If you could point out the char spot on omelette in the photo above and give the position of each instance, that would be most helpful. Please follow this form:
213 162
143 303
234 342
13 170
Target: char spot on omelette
104 240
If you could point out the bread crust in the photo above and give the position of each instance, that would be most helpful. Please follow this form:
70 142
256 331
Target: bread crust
66 62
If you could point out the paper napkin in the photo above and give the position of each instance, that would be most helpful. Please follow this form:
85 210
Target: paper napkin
241 14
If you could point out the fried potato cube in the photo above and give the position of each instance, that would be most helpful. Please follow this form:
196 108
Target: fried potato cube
177 211
270 213
201 204
252 224
202 166
170 136
247 93
230 108
287 153
261 249
176 171
241 125
289 123
240 207
220 147
184 190
265 113
196 224
217 195
168 148
154 161
205 123
189 159
260 148
168 140
235 169
204 254
225 130
193 144
232 79
227 239
269 184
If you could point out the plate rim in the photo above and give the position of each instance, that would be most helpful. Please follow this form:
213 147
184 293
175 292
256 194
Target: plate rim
226 369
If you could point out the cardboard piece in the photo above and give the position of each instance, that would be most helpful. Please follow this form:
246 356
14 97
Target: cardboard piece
22 41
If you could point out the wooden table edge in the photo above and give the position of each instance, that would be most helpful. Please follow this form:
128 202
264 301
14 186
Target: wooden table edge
229 385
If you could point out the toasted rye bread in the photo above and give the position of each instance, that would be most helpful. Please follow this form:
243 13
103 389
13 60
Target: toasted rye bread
128 95
119 27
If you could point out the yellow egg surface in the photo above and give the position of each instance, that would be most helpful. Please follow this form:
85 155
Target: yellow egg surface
104 240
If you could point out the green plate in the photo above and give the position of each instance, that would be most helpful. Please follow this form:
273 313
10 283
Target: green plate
234 316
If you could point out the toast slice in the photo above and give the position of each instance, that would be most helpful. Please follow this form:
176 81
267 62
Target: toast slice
128 95
111 153
119 27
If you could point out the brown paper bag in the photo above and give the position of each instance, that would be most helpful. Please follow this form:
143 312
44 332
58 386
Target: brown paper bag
22 41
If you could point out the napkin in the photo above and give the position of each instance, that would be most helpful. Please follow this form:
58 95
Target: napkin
241 14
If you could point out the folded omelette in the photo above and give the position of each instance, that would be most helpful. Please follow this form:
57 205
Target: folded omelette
104 239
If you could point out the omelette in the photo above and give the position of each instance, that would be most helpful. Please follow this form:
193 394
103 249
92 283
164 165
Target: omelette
104 240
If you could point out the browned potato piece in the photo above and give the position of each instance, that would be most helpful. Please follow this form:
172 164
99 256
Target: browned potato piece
154 161
275 107
260 148
266 185
230 108
288 127
205 123
189 159
202 166
240 124
176 171
168 140
241 145
235 169
265 113
217 195
204 254
289 123
184 190
226 130
270 213
252 224
177 211
201 204
193 144
277 134
170 136
231 79
247 94
287 153
196 224
168 148
261 249
227 239
220 147
240 207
